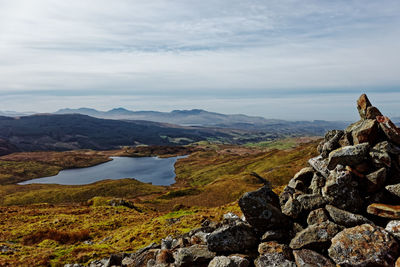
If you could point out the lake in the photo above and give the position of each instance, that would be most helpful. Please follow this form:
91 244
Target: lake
158 171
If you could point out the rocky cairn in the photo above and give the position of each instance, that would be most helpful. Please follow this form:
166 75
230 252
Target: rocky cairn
340 210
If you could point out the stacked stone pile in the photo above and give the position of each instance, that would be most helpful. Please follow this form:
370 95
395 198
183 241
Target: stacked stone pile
340 210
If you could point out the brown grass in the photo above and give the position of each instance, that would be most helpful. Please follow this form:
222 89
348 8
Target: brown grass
63 237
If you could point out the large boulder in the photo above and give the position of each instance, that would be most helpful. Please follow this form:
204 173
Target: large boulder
364 245
315 236
261 209
232 239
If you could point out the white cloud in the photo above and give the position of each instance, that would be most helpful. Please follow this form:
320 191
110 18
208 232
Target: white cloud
186 47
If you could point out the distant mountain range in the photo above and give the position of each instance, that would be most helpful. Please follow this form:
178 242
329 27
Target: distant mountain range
89 128
76 131
194 117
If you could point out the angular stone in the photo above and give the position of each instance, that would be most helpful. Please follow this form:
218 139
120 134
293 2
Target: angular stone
231 261
393 227
390 129
341 191
302 178
285 195
317 216
364 245
365 132
261 209
375 181
141 258
273 260
394 189
317 183
310 202
320 165
315 236
196 255
275 235
274 247
348 155
380 155
231 239
346 139
346 218
292 208
372 113
384 210
274 254
362 105
310 258
331 142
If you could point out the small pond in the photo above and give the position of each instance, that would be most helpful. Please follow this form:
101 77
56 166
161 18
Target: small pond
158 171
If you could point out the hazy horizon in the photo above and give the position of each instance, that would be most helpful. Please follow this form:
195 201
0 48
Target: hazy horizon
294 60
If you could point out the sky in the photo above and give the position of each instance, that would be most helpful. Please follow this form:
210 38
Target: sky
286 59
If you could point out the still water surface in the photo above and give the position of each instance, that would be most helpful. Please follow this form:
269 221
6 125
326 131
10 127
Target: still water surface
158 171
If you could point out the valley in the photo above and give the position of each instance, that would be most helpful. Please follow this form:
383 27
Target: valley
208 183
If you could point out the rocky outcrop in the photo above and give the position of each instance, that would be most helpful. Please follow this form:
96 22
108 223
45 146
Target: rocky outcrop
343 209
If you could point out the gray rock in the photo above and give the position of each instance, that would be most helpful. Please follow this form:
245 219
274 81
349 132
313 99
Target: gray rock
275 235
310 202
302 178
317 183
331 142
364 245
167 242
393 227
231 218
292 208
115 259
341 191
346 218
274 254
231 261
231 239
348 155
376 180
394 189
310 258
196 255
320 165
285 195
317 216
273 260
261 209
380 155
315 236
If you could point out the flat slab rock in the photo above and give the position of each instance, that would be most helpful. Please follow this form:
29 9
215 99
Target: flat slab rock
231 261
310 258
315 236
346 218
384 210
348 155
364 245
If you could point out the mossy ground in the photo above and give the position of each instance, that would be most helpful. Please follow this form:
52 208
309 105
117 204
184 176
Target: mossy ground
209 182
